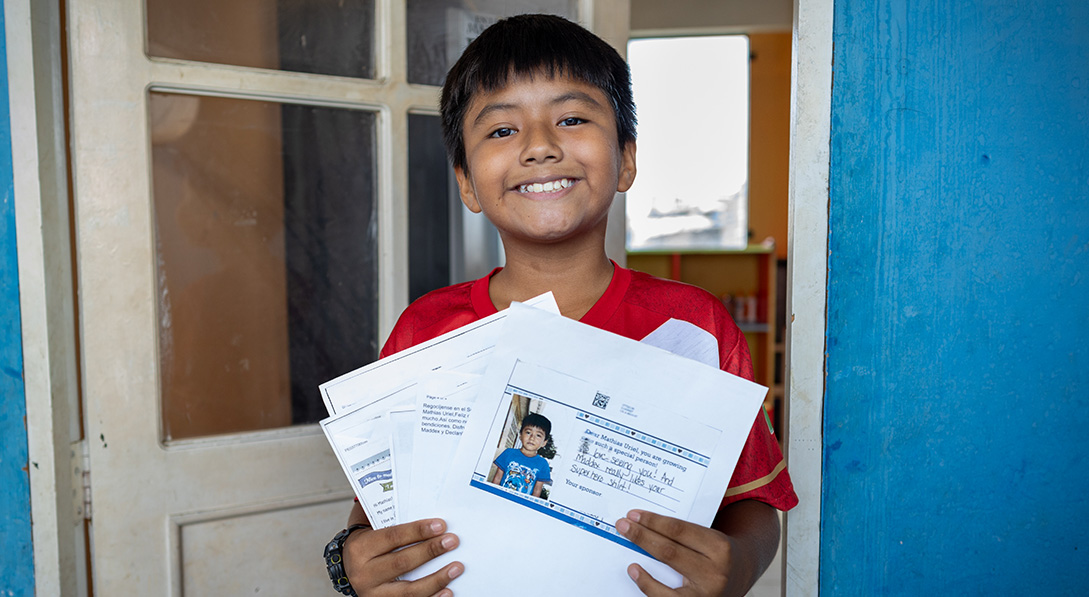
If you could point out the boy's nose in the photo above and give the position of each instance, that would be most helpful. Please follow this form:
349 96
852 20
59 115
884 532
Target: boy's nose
541 145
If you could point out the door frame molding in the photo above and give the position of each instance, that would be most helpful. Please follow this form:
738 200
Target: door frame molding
47 295
807 276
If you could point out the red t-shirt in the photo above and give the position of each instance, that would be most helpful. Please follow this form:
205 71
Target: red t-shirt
633 305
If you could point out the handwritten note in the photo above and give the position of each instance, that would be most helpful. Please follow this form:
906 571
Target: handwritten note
608 463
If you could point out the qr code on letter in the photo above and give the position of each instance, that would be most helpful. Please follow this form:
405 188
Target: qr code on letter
601 400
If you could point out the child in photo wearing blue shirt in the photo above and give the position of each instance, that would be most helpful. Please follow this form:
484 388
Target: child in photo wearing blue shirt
523 469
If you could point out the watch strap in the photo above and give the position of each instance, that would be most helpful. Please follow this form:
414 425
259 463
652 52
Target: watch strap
334 560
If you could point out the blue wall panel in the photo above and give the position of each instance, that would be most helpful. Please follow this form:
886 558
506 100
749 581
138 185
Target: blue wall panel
16 549
957 402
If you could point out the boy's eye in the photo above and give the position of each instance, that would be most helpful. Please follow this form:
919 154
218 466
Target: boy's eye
571 121
503 132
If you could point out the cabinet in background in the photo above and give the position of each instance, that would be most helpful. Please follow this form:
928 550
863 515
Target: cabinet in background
748 274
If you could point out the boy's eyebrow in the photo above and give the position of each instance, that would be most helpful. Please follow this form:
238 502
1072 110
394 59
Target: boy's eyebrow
491 108
577 96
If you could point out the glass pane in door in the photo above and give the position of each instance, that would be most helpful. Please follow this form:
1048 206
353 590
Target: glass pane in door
431 208
266 241
309 36
438 30
447 243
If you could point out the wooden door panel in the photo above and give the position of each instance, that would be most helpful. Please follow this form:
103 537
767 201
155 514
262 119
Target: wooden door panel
256 551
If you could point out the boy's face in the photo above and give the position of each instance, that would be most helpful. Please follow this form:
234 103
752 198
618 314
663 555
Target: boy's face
533 439
544 161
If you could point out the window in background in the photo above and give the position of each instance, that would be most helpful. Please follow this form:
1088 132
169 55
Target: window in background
266 240
692 98
303 36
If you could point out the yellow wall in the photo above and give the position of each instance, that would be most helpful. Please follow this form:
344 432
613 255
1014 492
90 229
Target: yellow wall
769 137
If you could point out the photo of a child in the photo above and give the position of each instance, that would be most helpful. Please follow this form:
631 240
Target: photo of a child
522 468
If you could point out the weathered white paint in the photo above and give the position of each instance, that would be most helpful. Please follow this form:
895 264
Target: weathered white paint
217 549
807 260
46 295
609 20
147 496
391 62
138 485
232 540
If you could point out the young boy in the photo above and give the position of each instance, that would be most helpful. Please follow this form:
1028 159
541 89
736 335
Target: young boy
522 469
539 122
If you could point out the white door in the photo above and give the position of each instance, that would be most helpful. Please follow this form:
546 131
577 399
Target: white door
244 176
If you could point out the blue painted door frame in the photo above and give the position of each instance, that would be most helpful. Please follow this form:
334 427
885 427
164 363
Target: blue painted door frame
17 563
956 421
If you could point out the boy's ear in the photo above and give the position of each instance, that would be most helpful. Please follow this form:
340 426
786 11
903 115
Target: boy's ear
627 167
465 190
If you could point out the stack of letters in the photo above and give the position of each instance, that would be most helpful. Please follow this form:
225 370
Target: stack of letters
651 425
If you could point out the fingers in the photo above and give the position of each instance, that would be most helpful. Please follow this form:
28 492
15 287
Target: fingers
701 555
374 559
647 583
662 537
432 584
381 541
691 535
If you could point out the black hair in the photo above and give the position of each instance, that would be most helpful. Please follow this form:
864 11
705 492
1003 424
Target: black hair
537 420
526 45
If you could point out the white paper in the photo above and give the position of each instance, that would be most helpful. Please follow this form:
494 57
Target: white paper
687 340
465 349
444 402
664 435
361 442
401 422
358 402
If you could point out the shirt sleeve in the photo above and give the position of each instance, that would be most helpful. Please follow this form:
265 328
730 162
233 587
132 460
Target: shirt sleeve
503 460
545 475
761 470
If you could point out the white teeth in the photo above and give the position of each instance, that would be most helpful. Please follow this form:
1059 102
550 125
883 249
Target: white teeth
548 187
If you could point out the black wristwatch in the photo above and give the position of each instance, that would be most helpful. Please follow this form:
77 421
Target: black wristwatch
334 561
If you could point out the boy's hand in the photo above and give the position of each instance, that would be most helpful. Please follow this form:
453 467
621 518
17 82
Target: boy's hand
711 561
374 559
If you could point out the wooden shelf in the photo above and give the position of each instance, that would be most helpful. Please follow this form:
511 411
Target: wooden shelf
747 272
753 249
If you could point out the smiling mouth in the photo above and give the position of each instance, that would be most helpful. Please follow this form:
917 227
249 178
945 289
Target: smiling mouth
547 187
